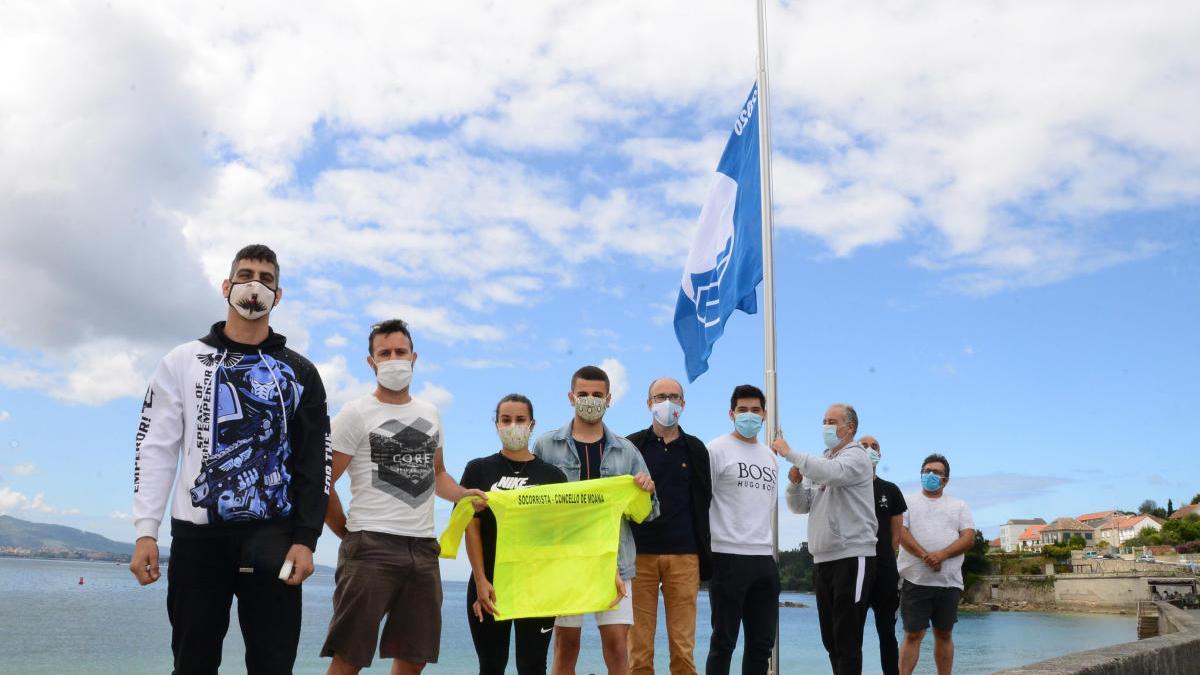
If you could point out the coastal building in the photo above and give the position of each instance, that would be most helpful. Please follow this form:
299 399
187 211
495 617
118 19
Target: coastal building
1061 530
1185 511
1031 538
1117 531
1010 532
1094 519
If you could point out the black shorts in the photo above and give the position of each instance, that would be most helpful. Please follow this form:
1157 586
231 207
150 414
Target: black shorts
921 605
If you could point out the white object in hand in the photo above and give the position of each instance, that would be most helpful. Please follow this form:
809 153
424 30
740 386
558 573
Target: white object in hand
286 571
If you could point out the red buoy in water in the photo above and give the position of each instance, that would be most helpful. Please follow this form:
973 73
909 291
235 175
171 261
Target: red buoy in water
80 581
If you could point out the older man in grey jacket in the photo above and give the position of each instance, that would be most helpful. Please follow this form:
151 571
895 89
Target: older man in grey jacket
835 489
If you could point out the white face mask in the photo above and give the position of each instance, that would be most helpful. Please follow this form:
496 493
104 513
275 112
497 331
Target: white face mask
514 436
666 413
394 375
589 408
251 299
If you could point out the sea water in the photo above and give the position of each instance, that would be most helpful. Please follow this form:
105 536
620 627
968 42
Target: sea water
49 623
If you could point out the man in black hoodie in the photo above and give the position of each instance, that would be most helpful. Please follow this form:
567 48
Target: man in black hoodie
674 549
243 421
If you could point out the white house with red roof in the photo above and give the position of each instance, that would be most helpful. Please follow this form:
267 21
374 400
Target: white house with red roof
1117 531
1061 530
1031 538
1010 532
1095 519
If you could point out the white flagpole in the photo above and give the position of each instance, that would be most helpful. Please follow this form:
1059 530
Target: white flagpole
768 260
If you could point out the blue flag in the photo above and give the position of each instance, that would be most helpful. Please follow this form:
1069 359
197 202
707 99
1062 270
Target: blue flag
724 266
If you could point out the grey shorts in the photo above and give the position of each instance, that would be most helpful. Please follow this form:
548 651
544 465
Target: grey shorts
923 605
388 575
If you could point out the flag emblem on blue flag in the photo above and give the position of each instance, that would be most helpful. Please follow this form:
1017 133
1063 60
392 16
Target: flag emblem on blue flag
724 266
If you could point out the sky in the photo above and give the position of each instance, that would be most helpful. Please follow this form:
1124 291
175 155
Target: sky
986 223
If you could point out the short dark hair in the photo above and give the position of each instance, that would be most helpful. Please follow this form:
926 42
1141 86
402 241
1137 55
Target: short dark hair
255 252
387 328
519 398
937 458
747 391
591 373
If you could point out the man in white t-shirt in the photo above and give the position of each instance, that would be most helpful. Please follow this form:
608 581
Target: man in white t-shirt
744 590
388 559
938 530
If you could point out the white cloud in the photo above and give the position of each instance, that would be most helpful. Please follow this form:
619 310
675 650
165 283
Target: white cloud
121 515
618 378
439 396
4 415
12 501
341 386
96 372
437 321
481 364
25 469
336 341
567 133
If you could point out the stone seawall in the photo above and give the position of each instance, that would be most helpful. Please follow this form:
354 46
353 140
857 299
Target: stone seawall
1175 651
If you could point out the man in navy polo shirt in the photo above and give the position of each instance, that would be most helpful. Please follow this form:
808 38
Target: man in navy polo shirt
673 551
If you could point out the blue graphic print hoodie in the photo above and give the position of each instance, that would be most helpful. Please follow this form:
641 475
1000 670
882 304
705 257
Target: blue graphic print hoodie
246 429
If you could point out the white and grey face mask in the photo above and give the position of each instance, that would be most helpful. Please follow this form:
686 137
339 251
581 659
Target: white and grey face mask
251 299
589 408
514 436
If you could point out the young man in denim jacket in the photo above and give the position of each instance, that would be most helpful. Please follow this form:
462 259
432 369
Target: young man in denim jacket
584 449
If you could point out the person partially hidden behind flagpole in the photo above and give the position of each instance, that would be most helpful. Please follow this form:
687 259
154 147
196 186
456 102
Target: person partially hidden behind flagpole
512 468
585 448
744 591
885 592
673 550
836 490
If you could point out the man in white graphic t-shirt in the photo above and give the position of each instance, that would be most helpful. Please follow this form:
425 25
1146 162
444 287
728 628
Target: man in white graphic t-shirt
388 559
744 589
938 530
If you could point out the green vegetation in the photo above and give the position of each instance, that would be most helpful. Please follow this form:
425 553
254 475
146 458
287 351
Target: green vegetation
975 562
796 569
1173 532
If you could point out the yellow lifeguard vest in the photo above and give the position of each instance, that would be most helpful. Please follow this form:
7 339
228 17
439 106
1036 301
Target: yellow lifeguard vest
556 545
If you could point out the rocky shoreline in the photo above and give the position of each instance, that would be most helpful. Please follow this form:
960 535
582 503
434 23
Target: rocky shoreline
1022 606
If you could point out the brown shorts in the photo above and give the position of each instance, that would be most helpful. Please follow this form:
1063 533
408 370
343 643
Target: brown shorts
386 574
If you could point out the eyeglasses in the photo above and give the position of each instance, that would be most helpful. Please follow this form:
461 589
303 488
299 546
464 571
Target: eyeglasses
673 398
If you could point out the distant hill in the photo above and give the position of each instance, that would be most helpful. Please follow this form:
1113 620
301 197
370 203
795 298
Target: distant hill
23 534
23 539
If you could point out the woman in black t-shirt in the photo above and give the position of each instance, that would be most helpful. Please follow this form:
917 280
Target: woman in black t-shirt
512 468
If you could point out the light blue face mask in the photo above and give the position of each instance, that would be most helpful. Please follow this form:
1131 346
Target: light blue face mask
830 435
748 424
931 482
873 455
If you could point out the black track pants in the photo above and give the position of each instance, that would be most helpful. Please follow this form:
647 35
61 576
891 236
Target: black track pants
491 640
843 595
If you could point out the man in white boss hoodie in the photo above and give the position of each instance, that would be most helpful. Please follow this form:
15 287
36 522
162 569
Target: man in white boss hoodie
744 591
836 490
